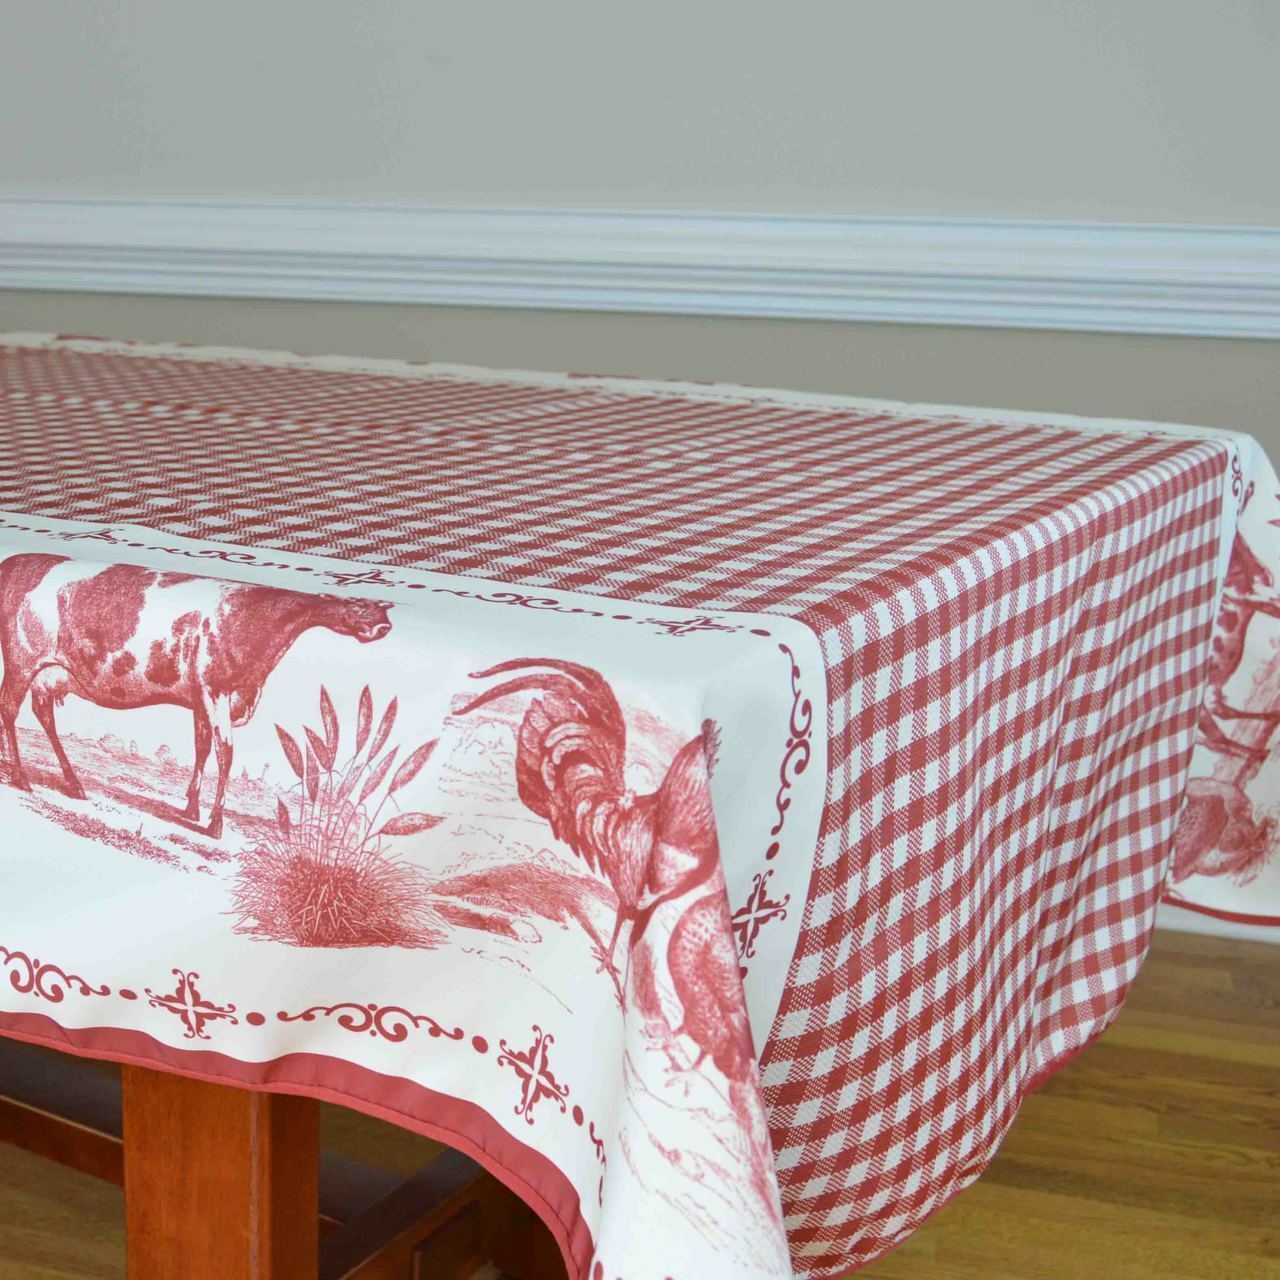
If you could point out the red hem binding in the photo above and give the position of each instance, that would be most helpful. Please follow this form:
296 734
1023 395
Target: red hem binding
456 1123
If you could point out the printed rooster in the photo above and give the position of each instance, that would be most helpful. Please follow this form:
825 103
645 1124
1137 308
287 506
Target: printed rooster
571 757
703 969
653 848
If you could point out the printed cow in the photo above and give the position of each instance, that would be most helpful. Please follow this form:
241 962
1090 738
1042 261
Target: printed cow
125 637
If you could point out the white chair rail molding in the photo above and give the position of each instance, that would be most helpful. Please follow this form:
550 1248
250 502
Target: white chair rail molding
1193 279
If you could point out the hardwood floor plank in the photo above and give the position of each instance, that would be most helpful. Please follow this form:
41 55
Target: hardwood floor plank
57 1224
1152 1156
1198 1036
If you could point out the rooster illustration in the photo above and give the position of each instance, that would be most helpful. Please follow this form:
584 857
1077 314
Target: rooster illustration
1219 833
708 983
702 966
655 848
704 972
571 756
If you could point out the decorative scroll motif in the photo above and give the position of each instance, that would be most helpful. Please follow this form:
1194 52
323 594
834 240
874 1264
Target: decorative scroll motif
536 1079
189 1005
388 1021
758 910
544 603
1239 489
596 1141
379 577
32 977
798 751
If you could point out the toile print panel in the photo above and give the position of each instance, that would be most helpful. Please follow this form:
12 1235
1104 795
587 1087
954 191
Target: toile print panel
418 824
1226 861
714 809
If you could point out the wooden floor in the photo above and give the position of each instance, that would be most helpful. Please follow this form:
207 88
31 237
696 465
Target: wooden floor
1154 1156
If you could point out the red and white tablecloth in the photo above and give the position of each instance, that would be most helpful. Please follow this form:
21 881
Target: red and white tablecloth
711 809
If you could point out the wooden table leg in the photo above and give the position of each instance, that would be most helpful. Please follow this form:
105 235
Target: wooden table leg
220 1183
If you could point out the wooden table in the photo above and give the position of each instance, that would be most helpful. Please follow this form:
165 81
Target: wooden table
222 1183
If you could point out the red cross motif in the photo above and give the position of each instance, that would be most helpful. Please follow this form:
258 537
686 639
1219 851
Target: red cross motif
194 1010
537 1082
758 910
693 626
360 578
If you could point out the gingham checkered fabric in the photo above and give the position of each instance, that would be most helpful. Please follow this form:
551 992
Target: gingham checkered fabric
1014 618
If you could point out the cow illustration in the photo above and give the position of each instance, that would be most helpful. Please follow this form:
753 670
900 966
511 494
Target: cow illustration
125 637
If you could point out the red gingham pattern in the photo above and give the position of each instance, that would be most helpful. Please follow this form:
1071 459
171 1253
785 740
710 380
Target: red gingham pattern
1013 616
1017 725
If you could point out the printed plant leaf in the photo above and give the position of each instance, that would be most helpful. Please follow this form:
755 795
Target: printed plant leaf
412 766
291 751
349 780
408 824
364 720
321 748
384 729
375 778
329 718
282 813
313 773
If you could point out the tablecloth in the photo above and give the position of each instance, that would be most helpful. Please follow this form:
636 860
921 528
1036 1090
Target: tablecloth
712 809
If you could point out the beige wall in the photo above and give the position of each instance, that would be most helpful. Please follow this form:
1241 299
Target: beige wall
1205 381
1148 109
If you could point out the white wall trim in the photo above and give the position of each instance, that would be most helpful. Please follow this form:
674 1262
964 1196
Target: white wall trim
1133 278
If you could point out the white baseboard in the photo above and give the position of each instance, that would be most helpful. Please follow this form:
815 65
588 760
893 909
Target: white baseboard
1203 280
1180 920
